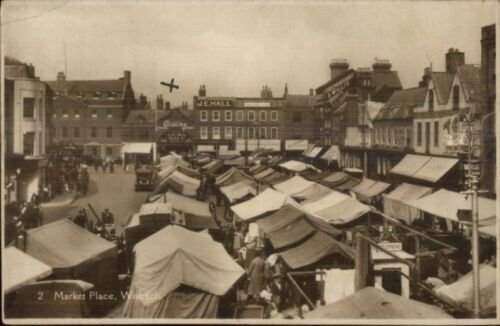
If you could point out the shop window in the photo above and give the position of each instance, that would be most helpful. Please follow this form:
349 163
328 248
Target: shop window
109 114
65 114
203 132
436 133
431 100
228 115
77 115
28 108
239 115
29 143
419 134
263 133
456 97
274 133
203 115
228 132
263 115
251 132
94 114
239 133
274 115
215 133
215 115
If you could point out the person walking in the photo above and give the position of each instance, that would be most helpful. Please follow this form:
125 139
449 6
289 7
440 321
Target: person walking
104 166
256 276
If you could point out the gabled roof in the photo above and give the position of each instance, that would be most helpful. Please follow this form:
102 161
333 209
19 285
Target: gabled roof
470 78
401 103
389 79
86 86
442 84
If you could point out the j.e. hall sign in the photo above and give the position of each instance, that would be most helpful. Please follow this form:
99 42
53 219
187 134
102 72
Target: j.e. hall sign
214 103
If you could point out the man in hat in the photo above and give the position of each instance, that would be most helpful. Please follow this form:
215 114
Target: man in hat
107 217
81 219
256 276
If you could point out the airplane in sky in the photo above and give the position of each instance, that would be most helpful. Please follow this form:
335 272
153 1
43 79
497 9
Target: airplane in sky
170 85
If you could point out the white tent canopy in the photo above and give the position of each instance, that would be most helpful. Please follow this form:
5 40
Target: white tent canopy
298 187
20 269
267 201
297 166
137 148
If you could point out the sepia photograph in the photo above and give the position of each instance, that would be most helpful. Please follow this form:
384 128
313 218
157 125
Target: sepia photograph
249 162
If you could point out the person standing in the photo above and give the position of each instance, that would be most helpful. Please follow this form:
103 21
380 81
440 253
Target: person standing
256 276
104 166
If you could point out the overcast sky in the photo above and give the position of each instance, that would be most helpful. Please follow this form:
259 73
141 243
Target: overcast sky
234 48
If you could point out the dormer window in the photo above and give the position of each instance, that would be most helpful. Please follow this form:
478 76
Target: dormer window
431 100
456 97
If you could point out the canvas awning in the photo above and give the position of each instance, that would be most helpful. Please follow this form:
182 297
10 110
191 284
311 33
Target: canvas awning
276 177
280 218
297 166
21 269
372 303
312 175
348 183
168 160
394 202
300 188
210 165
188 205
63 244
334 179
367 193
262 174
461 292
267 201
336 208
314 249
137 148
175 256
232 176
445 204
314 152
332 154
180 183
427 168
155 209
239 190
294 232
205 148
365 184
309 148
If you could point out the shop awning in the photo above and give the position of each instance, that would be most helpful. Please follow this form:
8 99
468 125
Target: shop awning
314 152
461 292
280 218
155 209
257 169
63 244
365 184
267 201
261 175
372 303
332 154
297 166
427 168
367 193
324 201
276 177
444 203
394 202
239 190
293 232
188 205
137 148
293 185
21 269
348 183
296 144
232 176
314 249
312 175
309 148
205 148
179 182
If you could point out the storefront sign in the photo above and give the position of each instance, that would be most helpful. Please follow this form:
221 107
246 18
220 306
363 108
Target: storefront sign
257 104
167 124
391 246
334 92
296 144
214 103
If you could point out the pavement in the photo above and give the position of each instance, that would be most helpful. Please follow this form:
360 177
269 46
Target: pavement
61 200
106 190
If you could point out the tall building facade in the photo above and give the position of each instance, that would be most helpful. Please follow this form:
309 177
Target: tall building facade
90 113
27 100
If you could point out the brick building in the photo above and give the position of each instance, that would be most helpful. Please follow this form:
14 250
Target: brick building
233 124
90 113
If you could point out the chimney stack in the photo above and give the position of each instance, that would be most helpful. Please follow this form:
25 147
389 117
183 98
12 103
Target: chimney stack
454 59
425 78
127 77
167 105
311 92
61 81
381 65
159 102
202 92
285 93
338 67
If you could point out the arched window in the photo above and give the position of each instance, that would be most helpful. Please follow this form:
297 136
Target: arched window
456 97
431 100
